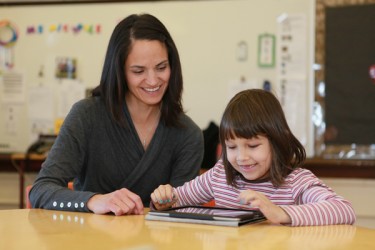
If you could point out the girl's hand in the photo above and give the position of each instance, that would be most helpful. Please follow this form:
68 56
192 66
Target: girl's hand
119 202
272 212
163 197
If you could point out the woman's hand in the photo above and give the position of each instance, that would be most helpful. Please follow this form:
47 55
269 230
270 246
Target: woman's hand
163 197
119 202
272 212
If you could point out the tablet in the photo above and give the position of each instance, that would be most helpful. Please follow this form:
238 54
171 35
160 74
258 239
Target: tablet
208 215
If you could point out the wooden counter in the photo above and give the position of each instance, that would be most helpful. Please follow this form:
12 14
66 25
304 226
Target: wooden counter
341 168
10 162
21 164
6 163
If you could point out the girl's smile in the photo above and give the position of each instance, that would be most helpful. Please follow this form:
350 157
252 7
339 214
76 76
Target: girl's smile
247 168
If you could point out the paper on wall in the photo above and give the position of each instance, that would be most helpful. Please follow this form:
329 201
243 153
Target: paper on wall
12 88
40 111
69 92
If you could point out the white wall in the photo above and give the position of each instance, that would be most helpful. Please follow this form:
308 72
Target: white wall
361 193
206 33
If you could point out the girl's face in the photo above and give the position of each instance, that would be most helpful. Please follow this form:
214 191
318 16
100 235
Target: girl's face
250 157
147 71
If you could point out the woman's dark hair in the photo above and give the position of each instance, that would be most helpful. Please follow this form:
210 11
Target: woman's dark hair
255 112
113 85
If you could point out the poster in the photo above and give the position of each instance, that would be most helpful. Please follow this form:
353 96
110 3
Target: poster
291 72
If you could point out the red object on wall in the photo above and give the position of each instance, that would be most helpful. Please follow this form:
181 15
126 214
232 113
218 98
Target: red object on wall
371 72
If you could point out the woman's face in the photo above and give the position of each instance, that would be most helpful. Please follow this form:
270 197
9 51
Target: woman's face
250 157
147 71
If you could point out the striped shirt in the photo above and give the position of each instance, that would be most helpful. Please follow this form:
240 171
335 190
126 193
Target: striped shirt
304 197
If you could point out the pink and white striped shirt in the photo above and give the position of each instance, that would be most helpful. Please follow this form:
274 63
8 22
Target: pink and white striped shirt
305 198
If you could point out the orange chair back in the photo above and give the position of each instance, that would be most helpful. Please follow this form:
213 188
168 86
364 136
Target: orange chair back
28 188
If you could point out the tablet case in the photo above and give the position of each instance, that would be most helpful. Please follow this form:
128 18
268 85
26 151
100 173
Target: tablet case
207 215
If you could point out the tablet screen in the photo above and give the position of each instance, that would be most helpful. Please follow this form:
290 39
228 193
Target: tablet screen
213 211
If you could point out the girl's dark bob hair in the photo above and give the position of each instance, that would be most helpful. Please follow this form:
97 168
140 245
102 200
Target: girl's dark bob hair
255 112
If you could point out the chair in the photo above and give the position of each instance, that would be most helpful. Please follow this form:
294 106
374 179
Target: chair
28 188
210 204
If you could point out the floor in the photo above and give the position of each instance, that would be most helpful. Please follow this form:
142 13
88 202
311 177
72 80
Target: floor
8 206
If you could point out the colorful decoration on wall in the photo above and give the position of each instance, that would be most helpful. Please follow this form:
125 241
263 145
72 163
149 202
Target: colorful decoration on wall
66 67
8 34
34 29
65 28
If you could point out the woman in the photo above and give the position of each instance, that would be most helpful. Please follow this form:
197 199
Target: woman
128 138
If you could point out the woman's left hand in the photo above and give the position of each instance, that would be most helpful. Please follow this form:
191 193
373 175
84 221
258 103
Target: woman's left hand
272 212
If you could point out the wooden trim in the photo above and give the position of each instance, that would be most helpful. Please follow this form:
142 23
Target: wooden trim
60 2
319 75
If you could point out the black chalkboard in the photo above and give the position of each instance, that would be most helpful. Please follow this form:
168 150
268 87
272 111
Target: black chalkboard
350 92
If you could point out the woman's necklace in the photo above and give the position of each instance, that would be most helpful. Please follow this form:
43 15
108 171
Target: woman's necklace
143 137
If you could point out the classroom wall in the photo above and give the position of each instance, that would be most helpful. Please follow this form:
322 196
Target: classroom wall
206 33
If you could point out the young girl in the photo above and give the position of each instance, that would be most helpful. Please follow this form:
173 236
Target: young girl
260 168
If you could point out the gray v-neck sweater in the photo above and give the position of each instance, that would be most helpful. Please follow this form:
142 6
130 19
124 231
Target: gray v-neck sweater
103 157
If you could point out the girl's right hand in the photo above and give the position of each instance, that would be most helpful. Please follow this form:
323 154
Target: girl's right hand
163 197
272 212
